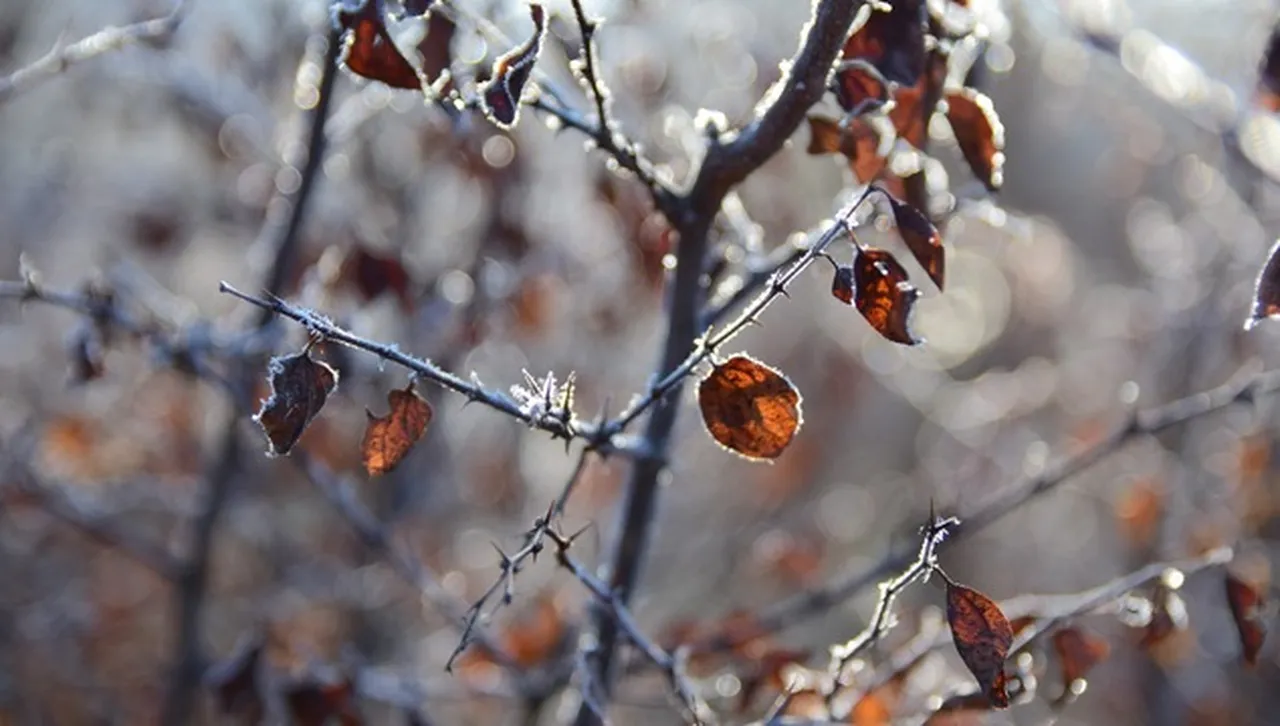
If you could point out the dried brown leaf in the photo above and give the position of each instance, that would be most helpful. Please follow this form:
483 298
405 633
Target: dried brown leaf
1246 609
842 284
979 133
369 50
922 238
1267 92
435 46
315 703
858 85
749 408
892 41
982 636
500 95
387 440
859 142
1078 652
883 295
300 385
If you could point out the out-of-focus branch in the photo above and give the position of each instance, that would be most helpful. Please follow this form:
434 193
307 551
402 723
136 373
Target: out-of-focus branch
193 584
1243 389
62 57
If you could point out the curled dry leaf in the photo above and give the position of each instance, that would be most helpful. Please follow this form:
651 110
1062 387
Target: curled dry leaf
1078 652
982 636
858 142
842 284
922 238
300 385
1266 291
883 295
979 133
387 440
892 41
500 95
1246 609
369 50
749 408
859 86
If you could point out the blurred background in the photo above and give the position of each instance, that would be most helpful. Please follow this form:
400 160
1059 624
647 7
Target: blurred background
1115 268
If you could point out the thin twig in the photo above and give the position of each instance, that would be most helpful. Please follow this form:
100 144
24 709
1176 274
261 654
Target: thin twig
1146 422
112 38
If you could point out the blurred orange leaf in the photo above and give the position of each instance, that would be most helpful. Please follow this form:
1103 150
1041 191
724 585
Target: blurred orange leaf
1246 609
314 703
387 440
749 408
1078 651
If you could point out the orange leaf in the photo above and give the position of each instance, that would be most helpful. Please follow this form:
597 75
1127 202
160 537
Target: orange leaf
982 636
892 41
387 440
858 142
749 408
300 385
500 95
1078 651
980 134
884 297
922 238
1246 606
858 84
369 50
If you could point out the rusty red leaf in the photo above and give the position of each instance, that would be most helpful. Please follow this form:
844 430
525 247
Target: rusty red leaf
500 95
1078 651
387 440
922 238
369 51
749 408
979 133
892 41
859 86
883 295
1246 609
982 636
858 141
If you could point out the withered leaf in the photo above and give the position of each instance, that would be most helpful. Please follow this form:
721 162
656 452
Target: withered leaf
435 46
1168 617
913 106
373 274
500 95
387 440
1078 651
369 50
980 134
235 681
315 703
300 385
749 408
922 238
842 284
1246 609
858 142
859 86
892 41
1266 291
883 295
982 636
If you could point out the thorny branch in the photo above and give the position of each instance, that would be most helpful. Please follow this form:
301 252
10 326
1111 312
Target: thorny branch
61 57
1244 389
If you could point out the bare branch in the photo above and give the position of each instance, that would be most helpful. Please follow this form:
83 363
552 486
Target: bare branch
60 57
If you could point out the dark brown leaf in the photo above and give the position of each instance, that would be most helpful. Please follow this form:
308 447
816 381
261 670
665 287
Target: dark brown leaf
1266 291
417 7
892 41
749 407
858 142
859 86
387 440
235 681
315 703
1246 609
1168 617
300 385
435 46
370 52
1267 94
373 274
909 114
883 295
982 637
842 284
1078 651
500 95
922 239
980 134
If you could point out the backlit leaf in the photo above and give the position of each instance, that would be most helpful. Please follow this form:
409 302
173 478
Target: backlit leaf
1246 609
370 52
300 385
980 134
1078 651
858 85
982 637
1266 291
500 95
749 407
909 114
883 295
858 142
922 238
892 41
842 284
387 440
